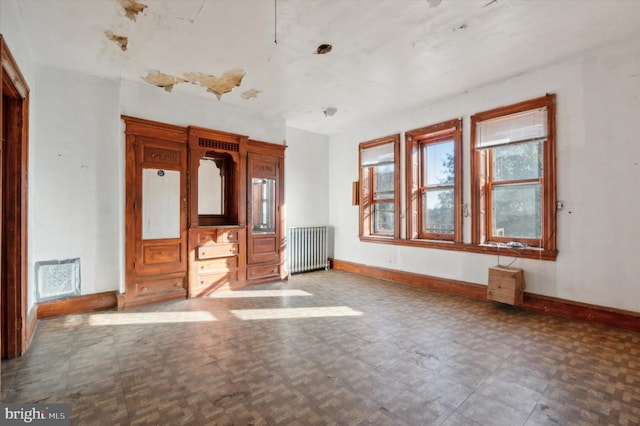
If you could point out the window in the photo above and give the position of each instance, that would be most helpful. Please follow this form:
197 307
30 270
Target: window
513 173
434 186
379 188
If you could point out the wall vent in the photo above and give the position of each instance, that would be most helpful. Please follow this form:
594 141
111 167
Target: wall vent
57 278
214 144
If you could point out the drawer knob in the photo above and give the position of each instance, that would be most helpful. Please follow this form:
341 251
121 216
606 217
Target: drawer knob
144 289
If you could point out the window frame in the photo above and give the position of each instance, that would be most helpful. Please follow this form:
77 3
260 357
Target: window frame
481 208
366 191
415 141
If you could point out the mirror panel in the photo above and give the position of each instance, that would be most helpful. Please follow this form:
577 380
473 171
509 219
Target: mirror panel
211 184
160 204
263 205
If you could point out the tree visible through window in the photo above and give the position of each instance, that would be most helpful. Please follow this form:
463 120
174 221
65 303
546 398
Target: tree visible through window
513 170
434 184
379 188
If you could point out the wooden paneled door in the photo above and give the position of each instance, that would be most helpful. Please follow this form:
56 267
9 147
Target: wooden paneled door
264 214
15 326
156 222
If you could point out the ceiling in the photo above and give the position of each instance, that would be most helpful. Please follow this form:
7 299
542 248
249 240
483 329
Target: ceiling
387 55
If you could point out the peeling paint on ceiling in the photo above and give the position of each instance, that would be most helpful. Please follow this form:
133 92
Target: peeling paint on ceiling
217 85
440 56
163 80
132 8
121 41
251 93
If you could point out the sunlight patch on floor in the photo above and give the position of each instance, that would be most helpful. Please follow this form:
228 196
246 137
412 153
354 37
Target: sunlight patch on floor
150 318
282 313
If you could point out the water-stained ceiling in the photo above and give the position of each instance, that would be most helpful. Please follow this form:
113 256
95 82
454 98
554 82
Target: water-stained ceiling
380 56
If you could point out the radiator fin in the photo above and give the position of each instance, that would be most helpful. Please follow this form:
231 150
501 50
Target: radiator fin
307 248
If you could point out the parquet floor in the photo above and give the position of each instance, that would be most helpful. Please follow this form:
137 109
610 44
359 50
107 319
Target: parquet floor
330 348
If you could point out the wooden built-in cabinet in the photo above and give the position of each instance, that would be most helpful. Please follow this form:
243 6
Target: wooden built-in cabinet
217 259
264 205
203 212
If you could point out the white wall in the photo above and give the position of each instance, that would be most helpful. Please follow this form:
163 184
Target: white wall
15 37
598 176
77 169
306 178
76 175
149 102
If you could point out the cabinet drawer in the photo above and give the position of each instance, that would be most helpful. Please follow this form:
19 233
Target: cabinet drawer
228 236
207 237
257 272
213 236
216 280
217 250
146 288
222 264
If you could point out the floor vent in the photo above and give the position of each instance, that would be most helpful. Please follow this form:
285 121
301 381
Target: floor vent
57 278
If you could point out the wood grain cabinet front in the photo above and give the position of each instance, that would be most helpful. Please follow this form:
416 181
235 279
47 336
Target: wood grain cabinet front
159 289
217 259
217 250
263 272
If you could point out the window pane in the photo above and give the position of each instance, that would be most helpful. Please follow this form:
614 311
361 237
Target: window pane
437 208
377 154
518 127
263 205
383 184
439 165
517 211
516 162
383 218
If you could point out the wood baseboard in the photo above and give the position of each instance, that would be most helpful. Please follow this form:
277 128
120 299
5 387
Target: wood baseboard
32 322
77 305
626 320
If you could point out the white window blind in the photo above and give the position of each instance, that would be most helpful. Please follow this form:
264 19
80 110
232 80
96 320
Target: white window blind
525 126
377 154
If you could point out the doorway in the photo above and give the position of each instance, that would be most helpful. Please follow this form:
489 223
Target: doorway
14 123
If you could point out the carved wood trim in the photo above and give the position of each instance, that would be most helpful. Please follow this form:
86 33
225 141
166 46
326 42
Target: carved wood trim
154 129
612 317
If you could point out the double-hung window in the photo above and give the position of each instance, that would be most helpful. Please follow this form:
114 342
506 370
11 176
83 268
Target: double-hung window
379 188
513 173
434 184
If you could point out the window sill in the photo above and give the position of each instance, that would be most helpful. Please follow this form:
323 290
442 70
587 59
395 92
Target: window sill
491 249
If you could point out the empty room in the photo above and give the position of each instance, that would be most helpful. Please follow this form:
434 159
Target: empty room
332 212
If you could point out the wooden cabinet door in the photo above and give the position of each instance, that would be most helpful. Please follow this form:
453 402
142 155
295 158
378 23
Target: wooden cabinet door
161 207
156 214
263 196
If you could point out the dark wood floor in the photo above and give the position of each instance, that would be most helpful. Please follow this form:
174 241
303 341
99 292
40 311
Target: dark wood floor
330 348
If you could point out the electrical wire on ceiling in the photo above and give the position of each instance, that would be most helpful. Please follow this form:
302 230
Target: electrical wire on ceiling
275 21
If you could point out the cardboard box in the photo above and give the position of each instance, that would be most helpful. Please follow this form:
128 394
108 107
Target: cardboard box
506 285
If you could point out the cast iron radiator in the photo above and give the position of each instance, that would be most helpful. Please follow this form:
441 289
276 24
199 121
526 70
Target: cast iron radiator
306 248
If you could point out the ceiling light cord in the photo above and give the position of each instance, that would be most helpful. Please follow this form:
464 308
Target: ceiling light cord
275 21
